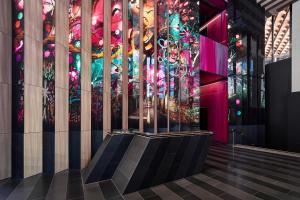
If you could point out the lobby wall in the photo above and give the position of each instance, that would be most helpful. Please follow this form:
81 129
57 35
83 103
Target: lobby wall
278 88
293 99
5 89
71 70
41 136
282 108
295 46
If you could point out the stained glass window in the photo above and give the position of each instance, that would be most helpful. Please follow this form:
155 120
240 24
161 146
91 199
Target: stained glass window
148 67
133 63
174 65
74 64
116 64
189 69
18 66
162 65
97 73
175 87
48 65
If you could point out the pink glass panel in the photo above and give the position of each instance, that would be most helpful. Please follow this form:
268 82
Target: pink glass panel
213 56
214 98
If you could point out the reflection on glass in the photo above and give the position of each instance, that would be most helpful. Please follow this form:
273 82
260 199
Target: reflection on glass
174 66
194 79
133 63
74 64
97 74
18 66
148 68
48 65
116 64
162 66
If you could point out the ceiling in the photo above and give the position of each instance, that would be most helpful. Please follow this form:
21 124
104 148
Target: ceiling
272 7
281 34
281 12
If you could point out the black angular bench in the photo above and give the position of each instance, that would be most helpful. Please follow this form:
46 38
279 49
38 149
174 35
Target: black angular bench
107 157
155 159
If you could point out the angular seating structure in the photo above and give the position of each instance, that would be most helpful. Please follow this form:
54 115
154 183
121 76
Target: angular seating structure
107 158
137 161
153 160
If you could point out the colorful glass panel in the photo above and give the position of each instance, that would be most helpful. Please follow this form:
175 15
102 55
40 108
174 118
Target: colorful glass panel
48 65
18 66
97 64
193 22
185 64
74 64
162 65
133 63
97 73
174 66
116 64
148 68
189 73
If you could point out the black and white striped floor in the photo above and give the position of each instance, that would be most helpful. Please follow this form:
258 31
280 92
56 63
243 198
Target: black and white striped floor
243 174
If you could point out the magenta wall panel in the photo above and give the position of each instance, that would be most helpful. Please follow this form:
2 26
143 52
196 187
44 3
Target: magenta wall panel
220 4
214 98
217 28
213 56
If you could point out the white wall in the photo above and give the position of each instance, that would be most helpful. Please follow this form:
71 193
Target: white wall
296 47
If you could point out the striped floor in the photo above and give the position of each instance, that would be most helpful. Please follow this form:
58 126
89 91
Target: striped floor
240 174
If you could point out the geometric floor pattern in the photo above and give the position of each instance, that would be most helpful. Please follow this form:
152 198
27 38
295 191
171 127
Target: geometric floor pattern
238 174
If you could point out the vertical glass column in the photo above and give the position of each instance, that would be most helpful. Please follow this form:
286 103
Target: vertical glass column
48 84
74 82
162 65
17 88
133 63
97 74
185 65
75 63
148 68
48 65
195 56
18 66
116 64
189 65
174 66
